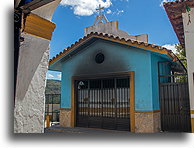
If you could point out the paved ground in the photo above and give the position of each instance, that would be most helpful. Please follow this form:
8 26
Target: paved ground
90 134
84 131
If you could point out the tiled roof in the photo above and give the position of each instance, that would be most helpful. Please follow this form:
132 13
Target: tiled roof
177 2
113 38
174 11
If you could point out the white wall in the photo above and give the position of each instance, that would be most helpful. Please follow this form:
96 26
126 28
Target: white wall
189 41
31 78
30 100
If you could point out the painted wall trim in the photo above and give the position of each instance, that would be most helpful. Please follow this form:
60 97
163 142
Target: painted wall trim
73 105
132 101
149 48
38 26
192 124
192 118
66 109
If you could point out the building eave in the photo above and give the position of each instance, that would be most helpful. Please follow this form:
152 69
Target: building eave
104 36
174 11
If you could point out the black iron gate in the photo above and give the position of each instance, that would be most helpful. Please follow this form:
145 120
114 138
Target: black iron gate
103 103
52 107
174 100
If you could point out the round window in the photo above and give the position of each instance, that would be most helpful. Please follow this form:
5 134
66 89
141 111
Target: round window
99 58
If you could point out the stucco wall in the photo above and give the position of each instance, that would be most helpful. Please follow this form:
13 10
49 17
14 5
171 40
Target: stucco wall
189 45
118 58
47 10
31 78
29 109
31 52
112 28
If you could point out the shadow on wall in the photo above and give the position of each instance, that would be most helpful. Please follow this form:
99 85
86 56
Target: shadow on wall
109 65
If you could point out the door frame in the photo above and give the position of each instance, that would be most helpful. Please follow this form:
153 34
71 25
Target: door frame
132 94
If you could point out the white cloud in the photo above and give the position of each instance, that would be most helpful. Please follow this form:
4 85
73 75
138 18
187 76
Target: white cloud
85 7
108 11
117 12
59 76
170 47
164 1
50 76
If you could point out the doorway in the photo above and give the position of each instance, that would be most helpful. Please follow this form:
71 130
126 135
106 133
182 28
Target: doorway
103 102
174 100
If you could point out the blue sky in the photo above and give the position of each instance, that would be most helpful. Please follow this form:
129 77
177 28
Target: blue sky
134 16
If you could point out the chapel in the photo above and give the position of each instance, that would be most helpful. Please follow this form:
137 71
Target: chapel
110 80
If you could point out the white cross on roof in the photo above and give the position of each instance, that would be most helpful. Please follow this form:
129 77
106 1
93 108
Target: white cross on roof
99 19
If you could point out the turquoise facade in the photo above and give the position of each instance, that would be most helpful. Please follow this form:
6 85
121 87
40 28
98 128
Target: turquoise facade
118 58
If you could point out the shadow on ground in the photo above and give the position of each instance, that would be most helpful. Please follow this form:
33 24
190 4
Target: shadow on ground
80 134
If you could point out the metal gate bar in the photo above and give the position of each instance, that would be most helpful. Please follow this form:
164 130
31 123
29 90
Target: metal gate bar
52 107
103 103
174 100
